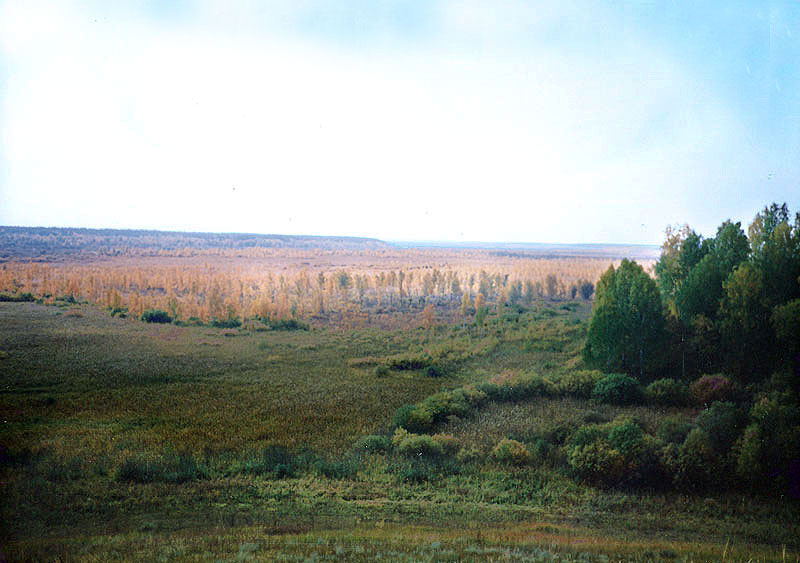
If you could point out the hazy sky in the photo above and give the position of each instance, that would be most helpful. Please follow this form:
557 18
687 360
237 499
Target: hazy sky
563 121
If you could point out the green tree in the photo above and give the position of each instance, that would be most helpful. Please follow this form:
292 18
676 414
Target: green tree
786 322
627 327
775 250
744 324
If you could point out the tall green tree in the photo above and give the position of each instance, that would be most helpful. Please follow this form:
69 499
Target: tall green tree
775 250
747 339
627 327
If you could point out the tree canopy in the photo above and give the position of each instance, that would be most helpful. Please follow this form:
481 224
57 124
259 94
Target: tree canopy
627 326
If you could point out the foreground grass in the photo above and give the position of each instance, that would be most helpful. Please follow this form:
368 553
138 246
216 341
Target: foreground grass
83 394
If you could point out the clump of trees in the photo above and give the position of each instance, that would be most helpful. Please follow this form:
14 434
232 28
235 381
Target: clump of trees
726 304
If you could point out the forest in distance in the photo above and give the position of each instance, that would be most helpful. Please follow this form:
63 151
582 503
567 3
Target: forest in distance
428 403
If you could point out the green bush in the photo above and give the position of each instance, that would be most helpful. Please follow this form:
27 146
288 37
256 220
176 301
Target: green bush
709 388
288 324
381 371
511 452
17 297
416 445
408 363
450 445
541 450
771 443
578 383
588 434
373 444
696 465
749 455
468 455
344 468
666 392
156 316
723 423
627 437
617 389
274 461
434 371
402 416
230 322
674 429
597 463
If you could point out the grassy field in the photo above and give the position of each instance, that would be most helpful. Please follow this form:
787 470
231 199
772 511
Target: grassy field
124 440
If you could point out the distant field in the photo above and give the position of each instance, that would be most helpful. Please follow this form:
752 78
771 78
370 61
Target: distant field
323 281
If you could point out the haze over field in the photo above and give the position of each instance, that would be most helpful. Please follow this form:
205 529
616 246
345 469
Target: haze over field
456 121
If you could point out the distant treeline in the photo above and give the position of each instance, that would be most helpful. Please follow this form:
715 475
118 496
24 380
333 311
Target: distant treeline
42 242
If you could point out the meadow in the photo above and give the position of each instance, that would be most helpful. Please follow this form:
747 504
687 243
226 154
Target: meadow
127 440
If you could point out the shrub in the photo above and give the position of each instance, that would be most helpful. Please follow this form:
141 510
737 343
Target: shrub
414 418
674 429
771 442
578 383
275 461
468 455
230 322
588 434
627 437
597 463
536 386
17 297
450 445
434 371
156 316
511 452
492 390
373 444
540 450
344 468
696 463
407 363
749 464
709 388
666 392
288 324
418 446
381 371
723 423
617 389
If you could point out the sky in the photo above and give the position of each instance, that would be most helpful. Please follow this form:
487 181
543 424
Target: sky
559 122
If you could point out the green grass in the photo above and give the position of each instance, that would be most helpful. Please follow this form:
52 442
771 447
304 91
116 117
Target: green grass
126 440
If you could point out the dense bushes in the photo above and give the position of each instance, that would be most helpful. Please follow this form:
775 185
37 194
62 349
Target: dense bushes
511 452
156 316
373 444
770 445
617 389
17 297
423 416
666 392
709 388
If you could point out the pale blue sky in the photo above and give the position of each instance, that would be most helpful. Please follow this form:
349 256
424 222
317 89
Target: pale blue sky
564 121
